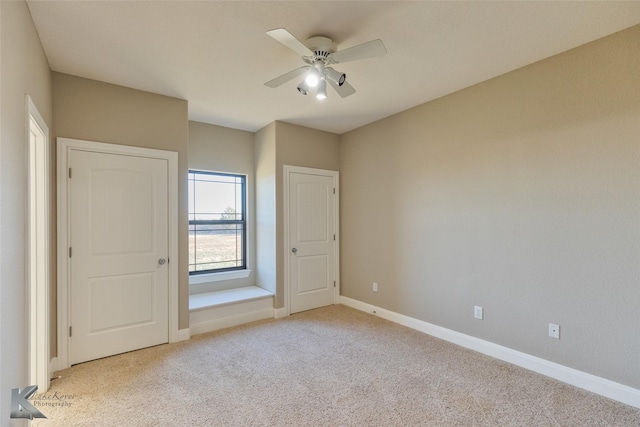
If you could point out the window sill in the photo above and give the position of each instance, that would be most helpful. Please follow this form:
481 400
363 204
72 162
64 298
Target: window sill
215 299
218 277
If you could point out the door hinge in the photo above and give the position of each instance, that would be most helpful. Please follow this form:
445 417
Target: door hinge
69 172
334 191
334 237
334 283
70 332
69 251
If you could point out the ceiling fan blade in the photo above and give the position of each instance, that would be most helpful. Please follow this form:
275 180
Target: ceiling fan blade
361 51
286 77
345 90
287 39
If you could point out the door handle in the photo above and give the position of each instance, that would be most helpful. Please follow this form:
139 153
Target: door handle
161 261
294 250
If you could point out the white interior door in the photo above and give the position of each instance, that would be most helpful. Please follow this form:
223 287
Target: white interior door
118 231
312 250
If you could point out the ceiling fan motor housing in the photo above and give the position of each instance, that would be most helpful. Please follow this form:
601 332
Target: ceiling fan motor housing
321 46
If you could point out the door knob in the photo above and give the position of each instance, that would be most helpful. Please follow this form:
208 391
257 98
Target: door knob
161 261
294 250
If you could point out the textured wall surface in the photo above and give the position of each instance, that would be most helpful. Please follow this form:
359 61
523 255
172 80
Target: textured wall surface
520 194
24 71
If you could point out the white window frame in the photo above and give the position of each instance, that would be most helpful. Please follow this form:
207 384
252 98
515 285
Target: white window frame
238 273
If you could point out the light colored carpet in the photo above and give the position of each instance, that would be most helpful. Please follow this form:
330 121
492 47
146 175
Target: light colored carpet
333 366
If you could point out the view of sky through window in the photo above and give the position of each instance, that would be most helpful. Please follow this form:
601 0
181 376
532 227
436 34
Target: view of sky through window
215 197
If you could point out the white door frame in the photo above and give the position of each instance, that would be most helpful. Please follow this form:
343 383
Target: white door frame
287 170
38 276
64 146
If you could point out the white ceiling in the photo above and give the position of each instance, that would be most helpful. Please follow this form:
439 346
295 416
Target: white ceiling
216 55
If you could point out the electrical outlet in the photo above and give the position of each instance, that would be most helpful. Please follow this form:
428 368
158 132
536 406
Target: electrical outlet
554 331
375 287
478 313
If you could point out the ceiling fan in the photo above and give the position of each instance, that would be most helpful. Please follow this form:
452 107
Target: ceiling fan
319 53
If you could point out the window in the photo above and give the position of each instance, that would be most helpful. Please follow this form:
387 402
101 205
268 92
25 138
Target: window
217 222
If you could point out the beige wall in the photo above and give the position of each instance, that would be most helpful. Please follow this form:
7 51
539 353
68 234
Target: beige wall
221 149
276 145
96 111
519 194
298 146
265 164
24 70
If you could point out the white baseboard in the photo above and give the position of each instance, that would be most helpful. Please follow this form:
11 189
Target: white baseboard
279 313
53 366
607 388
184 334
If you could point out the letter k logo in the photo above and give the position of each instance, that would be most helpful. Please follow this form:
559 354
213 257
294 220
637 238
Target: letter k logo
21 407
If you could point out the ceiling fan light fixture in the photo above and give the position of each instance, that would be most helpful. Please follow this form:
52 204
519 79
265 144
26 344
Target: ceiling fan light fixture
336 76
322 89
317 54
313 78
303 87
